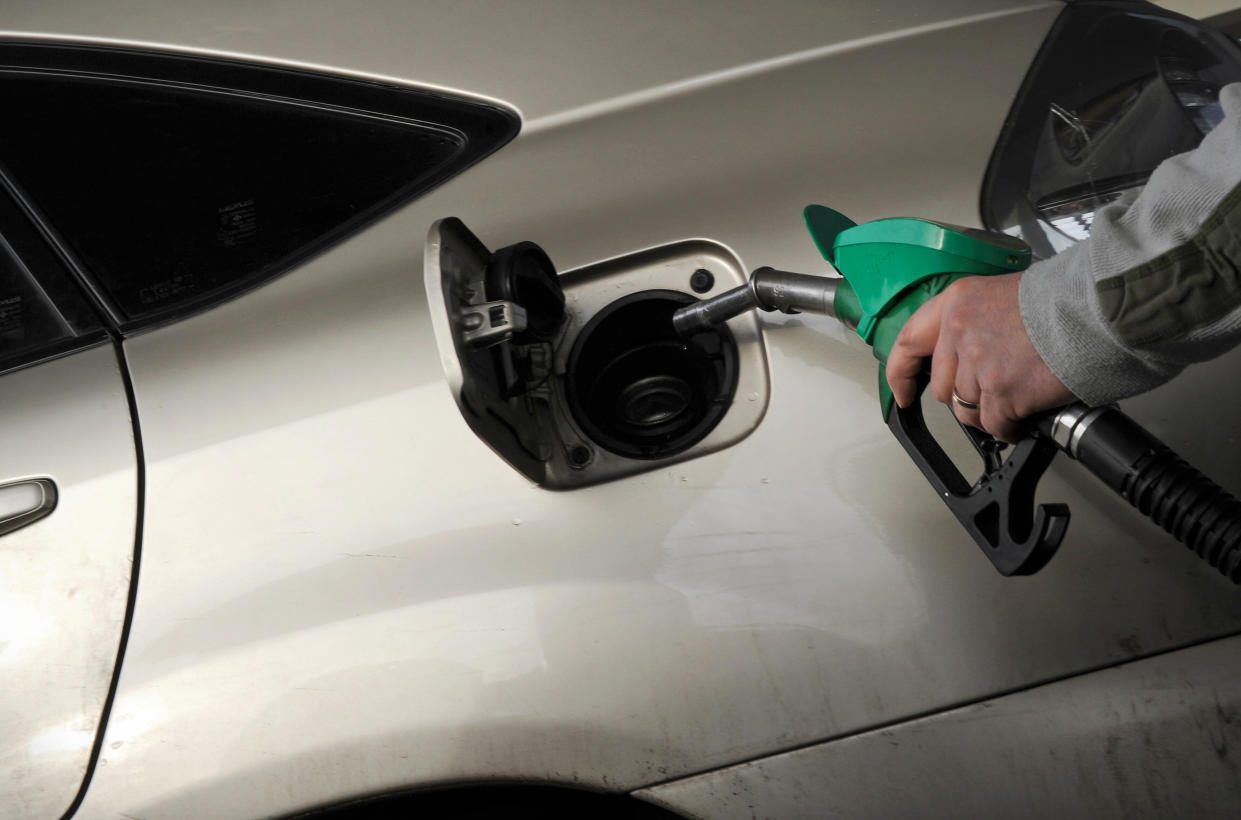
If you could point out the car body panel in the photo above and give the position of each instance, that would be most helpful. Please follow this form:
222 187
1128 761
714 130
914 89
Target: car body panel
529 57
1120 743
64 580
1200 8
345 592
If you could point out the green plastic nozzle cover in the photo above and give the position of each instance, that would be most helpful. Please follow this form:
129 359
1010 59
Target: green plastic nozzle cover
893 266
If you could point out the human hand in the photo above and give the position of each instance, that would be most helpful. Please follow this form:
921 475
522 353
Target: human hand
979 348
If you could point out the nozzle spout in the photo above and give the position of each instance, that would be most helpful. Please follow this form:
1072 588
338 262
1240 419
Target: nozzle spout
768 289
708 313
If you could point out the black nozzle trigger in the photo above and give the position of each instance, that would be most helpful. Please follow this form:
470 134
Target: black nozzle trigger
998 509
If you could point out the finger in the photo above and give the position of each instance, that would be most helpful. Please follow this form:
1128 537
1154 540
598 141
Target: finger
944 367
965 385
915 342
998 418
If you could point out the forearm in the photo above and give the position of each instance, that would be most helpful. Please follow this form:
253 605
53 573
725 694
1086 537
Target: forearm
1158 284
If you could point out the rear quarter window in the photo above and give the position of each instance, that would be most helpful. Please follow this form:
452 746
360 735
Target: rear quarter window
171 183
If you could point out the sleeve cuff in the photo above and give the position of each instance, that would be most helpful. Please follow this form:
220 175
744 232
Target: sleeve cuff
1060 311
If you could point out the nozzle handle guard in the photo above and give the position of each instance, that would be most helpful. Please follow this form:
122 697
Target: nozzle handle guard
998 510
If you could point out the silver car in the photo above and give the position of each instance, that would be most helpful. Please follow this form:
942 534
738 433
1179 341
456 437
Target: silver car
348 468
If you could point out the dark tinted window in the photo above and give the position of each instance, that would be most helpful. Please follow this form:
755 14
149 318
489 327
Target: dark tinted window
42 314
180 182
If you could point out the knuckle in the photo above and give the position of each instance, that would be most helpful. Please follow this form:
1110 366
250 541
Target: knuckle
956 322
975 350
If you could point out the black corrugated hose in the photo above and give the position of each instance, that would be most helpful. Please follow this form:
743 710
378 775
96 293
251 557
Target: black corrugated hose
1164 487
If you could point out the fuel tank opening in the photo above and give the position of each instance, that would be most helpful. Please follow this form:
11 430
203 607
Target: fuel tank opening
639 390
573 386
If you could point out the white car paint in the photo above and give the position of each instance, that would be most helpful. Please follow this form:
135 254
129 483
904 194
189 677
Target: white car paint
1112 744
64 580
343 591
1200 8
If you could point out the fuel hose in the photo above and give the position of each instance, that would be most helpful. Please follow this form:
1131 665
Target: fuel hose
1155 480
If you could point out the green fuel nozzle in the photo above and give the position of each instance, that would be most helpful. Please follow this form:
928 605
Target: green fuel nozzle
891 267
888 268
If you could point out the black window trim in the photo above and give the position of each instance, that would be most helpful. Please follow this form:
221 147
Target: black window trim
25 244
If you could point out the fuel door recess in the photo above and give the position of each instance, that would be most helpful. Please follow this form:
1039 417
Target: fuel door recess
579 378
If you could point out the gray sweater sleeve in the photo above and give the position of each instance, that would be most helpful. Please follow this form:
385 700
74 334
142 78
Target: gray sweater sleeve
1157 286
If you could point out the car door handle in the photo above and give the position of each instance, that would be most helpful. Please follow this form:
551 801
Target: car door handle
25 502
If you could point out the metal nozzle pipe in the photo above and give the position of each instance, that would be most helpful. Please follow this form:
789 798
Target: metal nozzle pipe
768 289
708 313
794 292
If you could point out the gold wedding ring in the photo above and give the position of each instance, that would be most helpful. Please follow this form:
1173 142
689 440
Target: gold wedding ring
968 405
